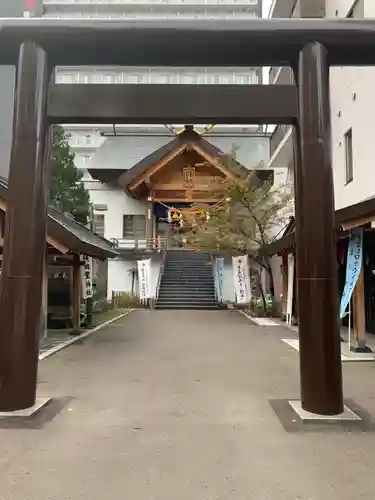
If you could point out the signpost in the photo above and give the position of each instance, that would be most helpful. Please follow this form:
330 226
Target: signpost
86 273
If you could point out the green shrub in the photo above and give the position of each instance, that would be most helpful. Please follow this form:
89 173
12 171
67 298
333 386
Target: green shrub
126 300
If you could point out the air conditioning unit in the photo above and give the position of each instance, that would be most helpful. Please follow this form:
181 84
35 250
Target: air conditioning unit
280 176
100 208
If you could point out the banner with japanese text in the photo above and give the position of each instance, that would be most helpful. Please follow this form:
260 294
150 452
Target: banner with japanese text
353 267
86 273
219 277
241 276
144 279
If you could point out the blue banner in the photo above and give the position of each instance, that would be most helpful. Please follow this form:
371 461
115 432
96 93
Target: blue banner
219 278
353 267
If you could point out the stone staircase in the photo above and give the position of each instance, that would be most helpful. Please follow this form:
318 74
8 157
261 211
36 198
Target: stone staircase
187 282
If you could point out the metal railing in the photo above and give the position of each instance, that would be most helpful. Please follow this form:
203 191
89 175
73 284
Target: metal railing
161 272
212 258
145 244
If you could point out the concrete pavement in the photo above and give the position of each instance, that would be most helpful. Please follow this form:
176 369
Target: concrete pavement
174 405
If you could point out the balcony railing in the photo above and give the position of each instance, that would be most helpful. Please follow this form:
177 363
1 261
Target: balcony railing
140 244
277 136
94 3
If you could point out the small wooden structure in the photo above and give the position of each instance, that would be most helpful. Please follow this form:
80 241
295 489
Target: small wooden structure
66 242
360 214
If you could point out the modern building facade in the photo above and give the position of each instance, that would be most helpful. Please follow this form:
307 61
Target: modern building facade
138 220
352 159
85 140
11 8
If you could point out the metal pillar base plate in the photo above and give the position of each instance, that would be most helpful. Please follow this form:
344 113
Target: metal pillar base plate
347 416
28 412
360 349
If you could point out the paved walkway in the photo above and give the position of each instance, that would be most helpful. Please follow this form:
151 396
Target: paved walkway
54 339
174 406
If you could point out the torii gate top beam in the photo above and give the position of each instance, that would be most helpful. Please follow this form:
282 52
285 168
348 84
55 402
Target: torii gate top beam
262 42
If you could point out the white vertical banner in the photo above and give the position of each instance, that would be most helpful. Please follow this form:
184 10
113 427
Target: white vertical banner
219 277
86 275
144 278
289 300
241 277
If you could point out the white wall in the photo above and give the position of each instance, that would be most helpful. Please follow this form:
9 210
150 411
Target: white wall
228 281
120 280
276 263
119 204
342 6
352 106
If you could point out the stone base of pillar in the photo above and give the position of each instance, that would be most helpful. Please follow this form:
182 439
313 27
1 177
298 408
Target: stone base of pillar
348 415
40 403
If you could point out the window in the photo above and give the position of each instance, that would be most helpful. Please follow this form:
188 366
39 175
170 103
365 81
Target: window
99 224
349 156
134 226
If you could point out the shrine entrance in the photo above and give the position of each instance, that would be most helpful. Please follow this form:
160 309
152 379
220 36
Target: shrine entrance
309 47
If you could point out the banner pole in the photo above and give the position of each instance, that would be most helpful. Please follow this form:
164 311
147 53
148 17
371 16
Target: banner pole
350 320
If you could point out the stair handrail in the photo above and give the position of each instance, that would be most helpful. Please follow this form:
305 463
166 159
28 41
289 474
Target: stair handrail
214 275
161 271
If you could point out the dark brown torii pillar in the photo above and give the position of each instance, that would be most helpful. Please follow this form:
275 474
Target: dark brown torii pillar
316 262
25 233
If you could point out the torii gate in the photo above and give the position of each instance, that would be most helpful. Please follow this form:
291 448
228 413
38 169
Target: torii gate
35 46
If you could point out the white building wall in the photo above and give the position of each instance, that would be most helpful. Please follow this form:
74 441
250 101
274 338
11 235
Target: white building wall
120 277
118 204
352 106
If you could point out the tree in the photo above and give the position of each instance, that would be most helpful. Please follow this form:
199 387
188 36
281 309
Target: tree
67 191
251 216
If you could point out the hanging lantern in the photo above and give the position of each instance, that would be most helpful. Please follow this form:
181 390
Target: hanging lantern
207 216
181 221
169 217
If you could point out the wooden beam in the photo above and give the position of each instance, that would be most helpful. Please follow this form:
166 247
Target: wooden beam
185 200
284 277
57 245
76 293
361 221
226 104
44 312
157 166
230 43
359 316
212 160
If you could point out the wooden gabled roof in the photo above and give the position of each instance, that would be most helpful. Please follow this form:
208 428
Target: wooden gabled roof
128 178
356 215
69 234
